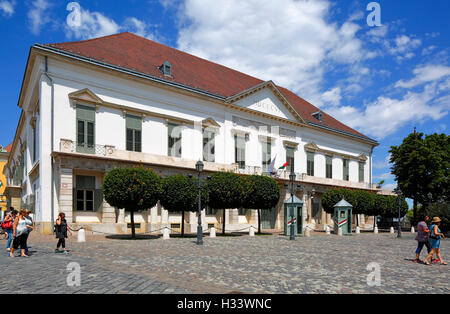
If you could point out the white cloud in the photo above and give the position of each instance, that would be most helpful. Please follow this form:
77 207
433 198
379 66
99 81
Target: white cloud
383 164
386 115
138 27
7 7
332 97
290 42
93 24
425 74
38 15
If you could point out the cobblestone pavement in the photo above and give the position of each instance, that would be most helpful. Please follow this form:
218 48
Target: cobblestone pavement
240 264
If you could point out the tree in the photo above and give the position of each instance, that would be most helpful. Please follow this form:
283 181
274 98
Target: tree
226 190
334 196
441 210
180 194
421 165
364 202
263 194
133 189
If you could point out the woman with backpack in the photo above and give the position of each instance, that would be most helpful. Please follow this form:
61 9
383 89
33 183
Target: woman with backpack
61 232
7 225
435 241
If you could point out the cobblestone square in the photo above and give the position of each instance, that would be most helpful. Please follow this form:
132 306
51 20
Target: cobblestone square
234 264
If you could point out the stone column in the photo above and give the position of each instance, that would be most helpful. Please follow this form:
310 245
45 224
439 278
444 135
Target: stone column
233 216
309 207
254 218
192 222
305 207
164 216
66 193
108 214
323 220
204 224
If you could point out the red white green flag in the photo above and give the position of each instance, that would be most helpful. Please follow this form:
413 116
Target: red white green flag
284 166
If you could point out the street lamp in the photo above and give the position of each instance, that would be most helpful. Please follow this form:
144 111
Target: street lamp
292 178
399 203
199 168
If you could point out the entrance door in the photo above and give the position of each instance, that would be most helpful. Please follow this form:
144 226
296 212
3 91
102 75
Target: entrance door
299 220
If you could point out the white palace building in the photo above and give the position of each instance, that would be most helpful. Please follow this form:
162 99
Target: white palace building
123 100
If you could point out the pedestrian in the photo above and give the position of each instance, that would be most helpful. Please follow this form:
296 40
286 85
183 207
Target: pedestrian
8 225
30 227
61 232
435 241
20 234
423 237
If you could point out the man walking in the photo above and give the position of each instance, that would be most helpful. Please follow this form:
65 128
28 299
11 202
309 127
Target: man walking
423 238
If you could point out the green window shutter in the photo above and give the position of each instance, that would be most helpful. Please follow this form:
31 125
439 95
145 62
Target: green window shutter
310 164
133 122
329 167
361 172
174 139
266 155
346 170
86 182
239 151
85 129
208 146
290 158
137 141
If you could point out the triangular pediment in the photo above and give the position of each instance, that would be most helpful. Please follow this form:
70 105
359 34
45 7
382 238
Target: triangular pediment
267 99
312 147
86 95
210 122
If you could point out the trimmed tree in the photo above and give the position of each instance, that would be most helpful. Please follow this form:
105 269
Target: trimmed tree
180 194
226 190
334 196
133 189
364 201
264 194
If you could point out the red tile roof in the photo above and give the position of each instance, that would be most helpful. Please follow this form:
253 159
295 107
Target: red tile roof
8 148
139 54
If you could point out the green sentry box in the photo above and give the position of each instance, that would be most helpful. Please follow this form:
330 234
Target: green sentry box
298 216
343 217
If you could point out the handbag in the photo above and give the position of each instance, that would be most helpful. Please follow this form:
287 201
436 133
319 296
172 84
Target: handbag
433 235
7 225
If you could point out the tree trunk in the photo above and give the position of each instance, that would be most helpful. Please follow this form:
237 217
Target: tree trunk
182 223
415 212
223 223
259 221
133 228
357 220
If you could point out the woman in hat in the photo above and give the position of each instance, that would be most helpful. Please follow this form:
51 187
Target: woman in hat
435 241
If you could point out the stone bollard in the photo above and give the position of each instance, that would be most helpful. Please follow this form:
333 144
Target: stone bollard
375 230
307 233
212 234
166 234
413 230
252 231
358 230
327 230
81 235
392 230
340 232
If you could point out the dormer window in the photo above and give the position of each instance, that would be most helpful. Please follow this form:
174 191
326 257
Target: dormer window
166 68
317 115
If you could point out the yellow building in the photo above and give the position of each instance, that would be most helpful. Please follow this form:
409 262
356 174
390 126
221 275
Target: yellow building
4 154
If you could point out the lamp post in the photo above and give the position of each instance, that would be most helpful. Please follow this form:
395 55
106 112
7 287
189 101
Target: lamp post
399 203
199 168
291 180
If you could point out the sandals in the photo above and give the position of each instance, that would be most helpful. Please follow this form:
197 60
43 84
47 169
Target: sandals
443 263
427 263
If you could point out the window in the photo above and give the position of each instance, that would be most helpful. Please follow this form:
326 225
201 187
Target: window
239 150
346 170
329 167
86 197
210 211
361 171
166 68
266 155
174 139
310 164
208 146
244 212
290 159
85 129
134 133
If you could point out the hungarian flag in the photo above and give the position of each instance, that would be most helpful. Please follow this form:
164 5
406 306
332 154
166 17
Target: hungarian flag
284 166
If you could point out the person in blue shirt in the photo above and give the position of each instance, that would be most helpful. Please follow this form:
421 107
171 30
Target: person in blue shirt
435 241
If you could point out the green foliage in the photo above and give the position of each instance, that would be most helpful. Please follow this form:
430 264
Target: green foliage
264 193
391 210
364 202
133 189
227 190
441 210
334 196
180 193
421 165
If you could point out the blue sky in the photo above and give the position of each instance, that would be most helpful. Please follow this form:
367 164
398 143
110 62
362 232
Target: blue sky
382 81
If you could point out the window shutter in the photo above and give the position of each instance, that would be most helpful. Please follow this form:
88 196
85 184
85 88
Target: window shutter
98 201
86 113
133 122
